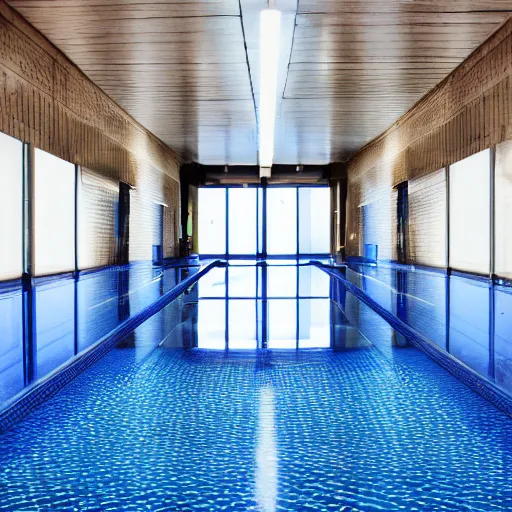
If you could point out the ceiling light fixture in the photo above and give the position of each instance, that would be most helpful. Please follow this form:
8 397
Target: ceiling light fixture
270 33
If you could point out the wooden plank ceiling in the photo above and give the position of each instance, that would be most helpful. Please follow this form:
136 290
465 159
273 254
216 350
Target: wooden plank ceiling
180 68
357 65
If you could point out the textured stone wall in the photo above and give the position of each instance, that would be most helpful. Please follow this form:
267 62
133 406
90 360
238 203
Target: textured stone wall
97 217
427 219
47 101
464 114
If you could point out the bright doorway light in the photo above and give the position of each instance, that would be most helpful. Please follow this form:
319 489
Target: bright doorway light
270 33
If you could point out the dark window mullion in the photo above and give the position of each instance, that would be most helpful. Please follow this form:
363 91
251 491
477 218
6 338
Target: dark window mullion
297 330
297 221
227 223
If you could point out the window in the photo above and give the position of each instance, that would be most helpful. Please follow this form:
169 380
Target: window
470 214
54 208
255 229
11 204
242 221
281 221
503 209
314 220
212 220
260 220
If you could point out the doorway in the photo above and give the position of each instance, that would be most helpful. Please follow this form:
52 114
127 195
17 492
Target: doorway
123 224
402 214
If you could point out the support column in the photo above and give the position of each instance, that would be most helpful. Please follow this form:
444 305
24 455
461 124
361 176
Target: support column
28 211
191 175
492 262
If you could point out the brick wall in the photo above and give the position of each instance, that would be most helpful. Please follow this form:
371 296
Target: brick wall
464 114
47 101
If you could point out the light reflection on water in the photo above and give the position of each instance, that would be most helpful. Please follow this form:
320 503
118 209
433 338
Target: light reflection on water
266 452
239 308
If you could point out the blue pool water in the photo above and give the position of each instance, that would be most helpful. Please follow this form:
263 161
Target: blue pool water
357 424
469 318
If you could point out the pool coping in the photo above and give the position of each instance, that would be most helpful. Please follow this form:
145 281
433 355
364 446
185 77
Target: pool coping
476 382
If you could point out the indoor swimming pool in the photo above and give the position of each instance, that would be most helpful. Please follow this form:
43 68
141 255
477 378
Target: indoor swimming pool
255 256
262 387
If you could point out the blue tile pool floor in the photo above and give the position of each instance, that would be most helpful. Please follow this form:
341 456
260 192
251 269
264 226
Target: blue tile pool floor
174 429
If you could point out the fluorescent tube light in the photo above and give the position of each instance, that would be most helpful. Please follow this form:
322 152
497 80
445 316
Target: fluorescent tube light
270 34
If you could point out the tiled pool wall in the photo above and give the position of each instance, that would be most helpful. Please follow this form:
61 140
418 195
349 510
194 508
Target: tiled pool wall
69 315
468 317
